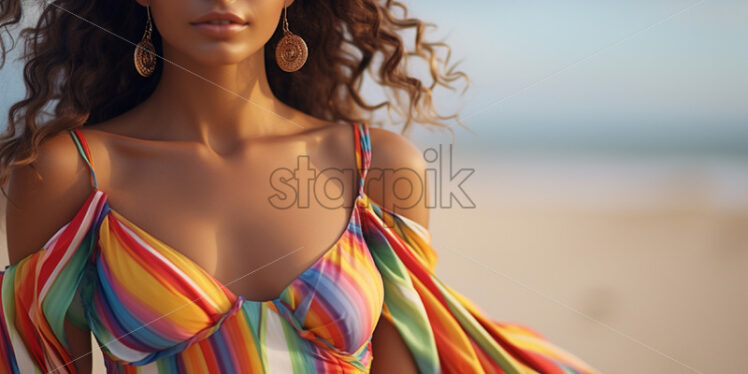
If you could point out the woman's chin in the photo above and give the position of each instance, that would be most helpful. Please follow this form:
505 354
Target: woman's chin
220 54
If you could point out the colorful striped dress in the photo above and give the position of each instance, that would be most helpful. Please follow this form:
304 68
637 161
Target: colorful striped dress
153 310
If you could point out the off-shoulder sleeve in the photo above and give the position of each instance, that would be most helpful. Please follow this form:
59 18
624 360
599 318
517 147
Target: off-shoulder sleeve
446 332
40 292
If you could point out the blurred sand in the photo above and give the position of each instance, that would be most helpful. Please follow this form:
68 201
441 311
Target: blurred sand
655 251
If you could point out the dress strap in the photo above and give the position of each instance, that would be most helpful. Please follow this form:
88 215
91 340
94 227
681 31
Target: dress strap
85 152
363 152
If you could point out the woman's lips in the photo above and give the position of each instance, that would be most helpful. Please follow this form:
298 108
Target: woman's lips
225 30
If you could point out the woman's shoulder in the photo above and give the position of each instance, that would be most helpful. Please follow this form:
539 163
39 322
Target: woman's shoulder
397 175
392 150
44 195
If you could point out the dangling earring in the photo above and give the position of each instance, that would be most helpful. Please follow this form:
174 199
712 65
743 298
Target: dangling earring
145 54
291 51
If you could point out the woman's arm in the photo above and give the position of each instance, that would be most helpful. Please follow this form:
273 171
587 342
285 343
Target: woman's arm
37 208
390 353
395 181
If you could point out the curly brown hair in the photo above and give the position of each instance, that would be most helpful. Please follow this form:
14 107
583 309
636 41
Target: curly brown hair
71 56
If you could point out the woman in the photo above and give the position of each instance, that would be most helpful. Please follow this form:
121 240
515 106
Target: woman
131 210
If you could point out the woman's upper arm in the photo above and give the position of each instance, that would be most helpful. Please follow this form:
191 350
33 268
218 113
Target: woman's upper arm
389 352
396 182
42 198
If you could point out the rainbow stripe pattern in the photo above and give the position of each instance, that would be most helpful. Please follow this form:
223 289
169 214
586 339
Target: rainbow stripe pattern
153 310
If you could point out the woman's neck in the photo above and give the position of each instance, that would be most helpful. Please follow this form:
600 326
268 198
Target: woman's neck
218 105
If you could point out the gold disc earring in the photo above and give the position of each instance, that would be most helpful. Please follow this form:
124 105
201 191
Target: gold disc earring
291 51
145 54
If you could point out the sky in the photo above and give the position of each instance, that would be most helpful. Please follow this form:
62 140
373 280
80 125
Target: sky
634 75
663 75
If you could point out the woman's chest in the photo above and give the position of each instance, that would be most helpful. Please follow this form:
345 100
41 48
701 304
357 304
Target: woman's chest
256 230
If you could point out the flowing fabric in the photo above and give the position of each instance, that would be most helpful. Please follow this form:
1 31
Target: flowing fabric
153 310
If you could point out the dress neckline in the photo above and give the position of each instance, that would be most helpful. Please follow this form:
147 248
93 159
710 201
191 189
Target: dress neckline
141 232
362 149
